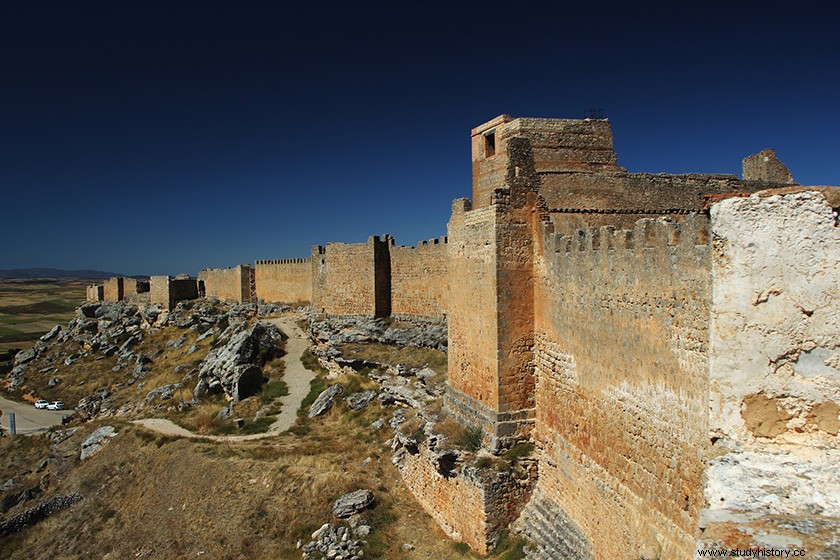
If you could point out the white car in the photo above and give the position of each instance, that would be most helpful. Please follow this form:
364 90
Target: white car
41 404
56 405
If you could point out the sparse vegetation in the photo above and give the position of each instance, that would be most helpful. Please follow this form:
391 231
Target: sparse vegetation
411 356
315 387
310 362
518 451
272 390
471 439
273 491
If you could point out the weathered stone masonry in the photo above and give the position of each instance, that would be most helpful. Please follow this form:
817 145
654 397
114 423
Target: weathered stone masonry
670 344
231 284
284 280
588 330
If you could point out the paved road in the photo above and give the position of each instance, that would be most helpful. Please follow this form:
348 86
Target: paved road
28 419
296 376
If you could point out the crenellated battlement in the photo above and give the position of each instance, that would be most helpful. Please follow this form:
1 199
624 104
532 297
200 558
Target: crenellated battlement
305 260
648 233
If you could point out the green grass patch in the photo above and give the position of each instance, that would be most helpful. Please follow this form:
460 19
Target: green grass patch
272 390
462 548
17 336
39 308
310 362
227 427
316 386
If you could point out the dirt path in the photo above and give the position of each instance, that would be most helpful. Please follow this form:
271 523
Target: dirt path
296 376
28 419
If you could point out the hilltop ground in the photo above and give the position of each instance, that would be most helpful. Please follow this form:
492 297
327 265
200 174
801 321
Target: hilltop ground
146 495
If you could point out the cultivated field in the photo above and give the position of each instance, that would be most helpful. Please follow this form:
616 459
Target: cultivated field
31 307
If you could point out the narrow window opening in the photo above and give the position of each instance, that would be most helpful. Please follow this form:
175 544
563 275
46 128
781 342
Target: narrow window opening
490 144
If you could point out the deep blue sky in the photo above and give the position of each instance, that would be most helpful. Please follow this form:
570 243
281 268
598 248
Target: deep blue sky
166 137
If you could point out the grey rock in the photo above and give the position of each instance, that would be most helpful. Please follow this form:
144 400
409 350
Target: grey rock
88 310
151 314
352 502
164 392
143 359
25 356
94 443
53 382
88 327
52 334
325 400
177 343
131 342
236 365
57 436
16 376
207 334
360 399
361 531
34 515
425 373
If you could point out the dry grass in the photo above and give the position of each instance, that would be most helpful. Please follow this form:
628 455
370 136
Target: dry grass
164 497
411 356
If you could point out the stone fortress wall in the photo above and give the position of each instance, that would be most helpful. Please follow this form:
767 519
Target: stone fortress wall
419 279
231 284
621 340
668 342
284 280
351 279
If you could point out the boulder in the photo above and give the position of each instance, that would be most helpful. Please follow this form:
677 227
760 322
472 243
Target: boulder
325 400
352 502
360 399
94 443
25 356
88 310
236 365
52 334
165 392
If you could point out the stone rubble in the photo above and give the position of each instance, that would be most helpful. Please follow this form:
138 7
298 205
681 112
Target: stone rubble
336 543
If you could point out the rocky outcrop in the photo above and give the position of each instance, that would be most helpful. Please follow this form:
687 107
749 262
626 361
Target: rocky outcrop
352 502
360 399
235 367
94 443
336 330
325 400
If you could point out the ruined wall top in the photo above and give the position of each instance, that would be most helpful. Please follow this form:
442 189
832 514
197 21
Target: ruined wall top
765 166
